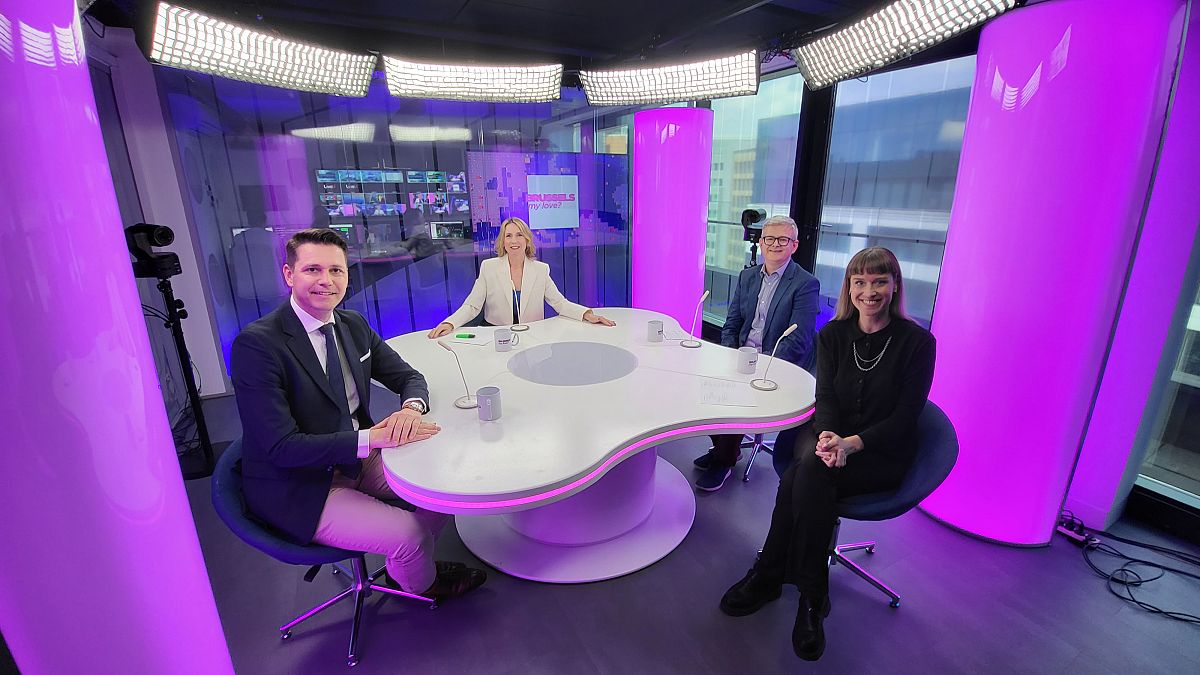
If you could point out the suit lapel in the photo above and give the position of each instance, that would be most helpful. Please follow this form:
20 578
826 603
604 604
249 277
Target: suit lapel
789 276
301 347
529 279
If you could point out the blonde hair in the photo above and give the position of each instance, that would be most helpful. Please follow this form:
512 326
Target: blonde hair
525 232
873 260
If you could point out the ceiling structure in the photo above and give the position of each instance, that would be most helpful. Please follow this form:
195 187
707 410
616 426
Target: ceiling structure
580 34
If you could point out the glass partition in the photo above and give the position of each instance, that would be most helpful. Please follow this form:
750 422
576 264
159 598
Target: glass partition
417 188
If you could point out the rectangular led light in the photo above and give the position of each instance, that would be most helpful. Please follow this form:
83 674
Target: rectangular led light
401 134
358 132
716 78
498 84
894 32
184 38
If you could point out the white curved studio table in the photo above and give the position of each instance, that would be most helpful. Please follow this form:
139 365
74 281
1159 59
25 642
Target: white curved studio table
566 486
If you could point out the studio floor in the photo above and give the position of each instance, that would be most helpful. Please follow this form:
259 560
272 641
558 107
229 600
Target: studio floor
967 606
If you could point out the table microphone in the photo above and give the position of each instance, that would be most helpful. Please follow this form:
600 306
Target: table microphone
691 342
465 402
763 384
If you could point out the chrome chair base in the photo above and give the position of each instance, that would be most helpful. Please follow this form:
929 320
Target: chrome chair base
838 555
755 443
360 587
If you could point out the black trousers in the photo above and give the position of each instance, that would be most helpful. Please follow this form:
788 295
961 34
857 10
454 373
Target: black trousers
798 543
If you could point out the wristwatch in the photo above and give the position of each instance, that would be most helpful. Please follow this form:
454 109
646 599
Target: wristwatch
416 405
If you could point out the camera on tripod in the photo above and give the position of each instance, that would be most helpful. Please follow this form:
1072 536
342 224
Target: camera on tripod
752 227
141 239
752 224
148 264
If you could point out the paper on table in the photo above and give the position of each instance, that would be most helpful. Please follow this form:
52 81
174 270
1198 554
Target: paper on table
479 340
672 335
726 392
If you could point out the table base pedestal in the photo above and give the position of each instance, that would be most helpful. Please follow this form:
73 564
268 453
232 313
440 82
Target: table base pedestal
494 540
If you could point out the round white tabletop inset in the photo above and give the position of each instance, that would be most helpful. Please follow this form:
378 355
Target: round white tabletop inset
567 456
572 364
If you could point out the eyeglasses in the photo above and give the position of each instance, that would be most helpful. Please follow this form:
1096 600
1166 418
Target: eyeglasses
781 241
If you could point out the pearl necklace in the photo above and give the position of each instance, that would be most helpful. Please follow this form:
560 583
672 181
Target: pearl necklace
867 365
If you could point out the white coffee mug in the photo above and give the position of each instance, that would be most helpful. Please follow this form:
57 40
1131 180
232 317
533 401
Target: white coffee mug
747 360
505 339
654 331
489 403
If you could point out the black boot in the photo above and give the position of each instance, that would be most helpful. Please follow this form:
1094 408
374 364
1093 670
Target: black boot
808 635
750 594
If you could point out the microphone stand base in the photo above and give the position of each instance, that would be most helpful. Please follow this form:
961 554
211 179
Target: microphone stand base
466 402
519 327
764 385
690 344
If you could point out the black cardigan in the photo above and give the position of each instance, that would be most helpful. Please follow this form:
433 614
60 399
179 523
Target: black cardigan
881 405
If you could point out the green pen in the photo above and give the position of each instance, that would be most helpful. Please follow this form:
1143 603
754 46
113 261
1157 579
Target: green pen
464 336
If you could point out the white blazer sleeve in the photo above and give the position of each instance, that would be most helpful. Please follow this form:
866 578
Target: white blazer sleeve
560 303
472 305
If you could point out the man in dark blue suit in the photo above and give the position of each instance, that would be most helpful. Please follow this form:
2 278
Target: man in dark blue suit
311 464
768 298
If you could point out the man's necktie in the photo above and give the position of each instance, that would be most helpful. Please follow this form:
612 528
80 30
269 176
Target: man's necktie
337 382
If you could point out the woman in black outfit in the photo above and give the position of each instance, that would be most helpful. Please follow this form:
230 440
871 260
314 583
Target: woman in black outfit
874 370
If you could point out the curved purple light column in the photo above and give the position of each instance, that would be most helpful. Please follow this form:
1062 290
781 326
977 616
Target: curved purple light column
1116 437
1065 119
672 161
92 487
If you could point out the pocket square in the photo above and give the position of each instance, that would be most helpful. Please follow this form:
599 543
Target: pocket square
365 356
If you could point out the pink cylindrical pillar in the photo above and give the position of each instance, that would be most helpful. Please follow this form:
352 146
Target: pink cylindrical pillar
672 158
1066 116
98 551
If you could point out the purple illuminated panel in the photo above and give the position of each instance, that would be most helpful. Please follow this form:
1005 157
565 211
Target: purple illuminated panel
672 157
1107 467
92 482
1065 117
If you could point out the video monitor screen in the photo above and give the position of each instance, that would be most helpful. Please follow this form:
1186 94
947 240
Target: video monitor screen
380 209
354 198
460 177
393 176
349 175
328 199
456 187
327 176
347 231
372 176
417 177
331 187
375 198
460 205
345 210
435 176
449 230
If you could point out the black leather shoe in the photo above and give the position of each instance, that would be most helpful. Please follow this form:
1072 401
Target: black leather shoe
455 582
704 462
443 566
808 635
750 594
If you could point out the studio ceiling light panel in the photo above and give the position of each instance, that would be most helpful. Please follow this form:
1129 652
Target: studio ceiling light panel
184 38
894 32
358 132
497 84
404 134
715 78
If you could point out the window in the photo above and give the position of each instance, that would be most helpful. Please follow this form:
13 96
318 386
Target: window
1172 464
754 155
893 160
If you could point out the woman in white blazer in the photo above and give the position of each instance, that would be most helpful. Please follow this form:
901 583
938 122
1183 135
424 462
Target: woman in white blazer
513 287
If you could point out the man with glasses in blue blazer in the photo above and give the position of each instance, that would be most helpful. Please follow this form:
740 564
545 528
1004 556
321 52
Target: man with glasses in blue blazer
768 298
